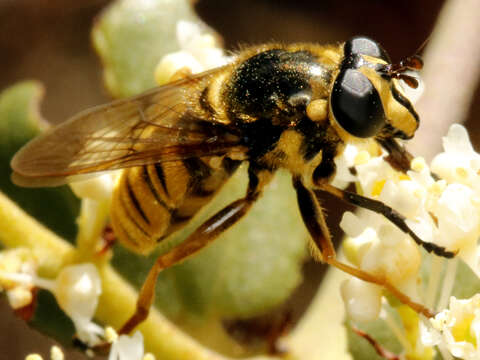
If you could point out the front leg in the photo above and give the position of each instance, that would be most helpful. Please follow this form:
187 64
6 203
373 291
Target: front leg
380 208
323 249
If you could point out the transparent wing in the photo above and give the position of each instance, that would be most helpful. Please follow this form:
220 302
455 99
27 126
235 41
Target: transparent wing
156 126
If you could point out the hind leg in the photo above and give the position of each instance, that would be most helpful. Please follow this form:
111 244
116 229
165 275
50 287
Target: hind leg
200 238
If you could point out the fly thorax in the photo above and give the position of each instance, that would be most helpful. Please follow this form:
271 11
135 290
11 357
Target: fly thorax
273 84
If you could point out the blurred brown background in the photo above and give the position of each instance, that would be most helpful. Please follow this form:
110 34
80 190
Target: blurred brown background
49 40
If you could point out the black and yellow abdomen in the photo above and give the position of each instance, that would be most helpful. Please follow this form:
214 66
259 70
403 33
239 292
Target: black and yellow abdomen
151 202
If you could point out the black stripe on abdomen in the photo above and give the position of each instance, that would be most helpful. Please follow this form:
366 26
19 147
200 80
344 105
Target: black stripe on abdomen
161 176
151 187
130 216
135 202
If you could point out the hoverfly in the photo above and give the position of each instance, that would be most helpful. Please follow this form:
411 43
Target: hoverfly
275 106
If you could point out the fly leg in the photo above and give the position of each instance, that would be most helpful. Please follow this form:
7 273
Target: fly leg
379 207
109 239
200 238
323 249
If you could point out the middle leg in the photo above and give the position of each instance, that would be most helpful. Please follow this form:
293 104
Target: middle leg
323 249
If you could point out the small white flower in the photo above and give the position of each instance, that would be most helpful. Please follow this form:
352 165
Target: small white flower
458 218
56 353
199 51
353 155
373 174
96 188
110 334
343 164
459 326
127 348
448 216
76 289
198 40
363 301
428 335
459 163
17 266
381 248
455 209
406 197
19 296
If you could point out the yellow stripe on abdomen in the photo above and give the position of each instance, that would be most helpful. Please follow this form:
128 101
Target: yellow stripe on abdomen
151 202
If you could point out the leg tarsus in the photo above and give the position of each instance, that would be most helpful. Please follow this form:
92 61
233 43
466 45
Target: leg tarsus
365 276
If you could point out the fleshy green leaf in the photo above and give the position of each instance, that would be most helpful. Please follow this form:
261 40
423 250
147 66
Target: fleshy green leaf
20 121
131 36
466 283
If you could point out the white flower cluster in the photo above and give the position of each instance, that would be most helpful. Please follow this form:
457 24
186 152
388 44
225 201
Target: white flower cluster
458 328
21 262
76 289
444 211
199 51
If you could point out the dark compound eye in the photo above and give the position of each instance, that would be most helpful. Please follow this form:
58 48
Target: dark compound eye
356 104
362 45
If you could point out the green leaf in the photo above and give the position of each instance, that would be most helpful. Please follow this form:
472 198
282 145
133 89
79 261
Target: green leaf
20 121
51 320
131 37
466 283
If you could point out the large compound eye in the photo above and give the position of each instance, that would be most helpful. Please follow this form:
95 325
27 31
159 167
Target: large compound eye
362 45
356 104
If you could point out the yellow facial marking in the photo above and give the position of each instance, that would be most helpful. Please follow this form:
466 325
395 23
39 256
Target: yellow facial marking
396 114
374 60
400 118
